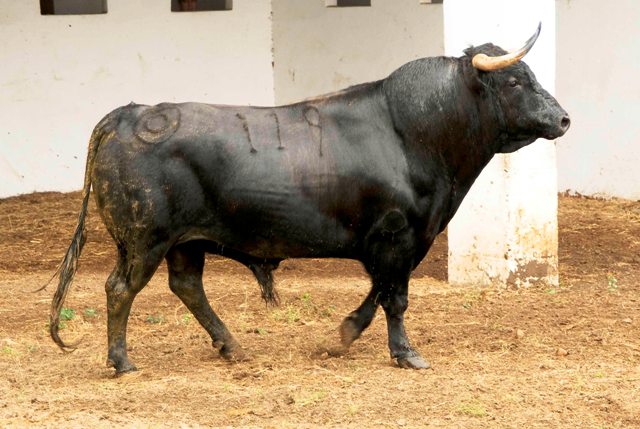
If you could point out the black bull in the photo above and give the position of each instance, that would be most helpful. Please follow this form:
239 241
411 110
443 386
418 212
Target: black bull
371 173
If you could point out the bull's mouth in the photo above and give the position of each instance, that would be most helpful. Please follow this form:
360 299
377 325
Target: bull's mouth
560 129
514 145
552 136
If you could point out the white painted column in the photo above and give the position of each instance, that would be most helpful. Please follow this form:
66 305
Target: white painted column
505 233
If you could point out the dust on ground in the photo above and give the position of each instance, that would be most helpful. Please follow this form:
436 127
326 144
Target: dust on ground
540 357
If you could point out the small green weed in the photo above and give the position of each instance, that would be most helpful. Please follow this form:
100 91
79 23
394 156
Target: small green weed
10 351
303 308
474 297
612 282
306 298
310 308
6 350
310 398
186 318
288 314
329 311
67 314
154 319
90 313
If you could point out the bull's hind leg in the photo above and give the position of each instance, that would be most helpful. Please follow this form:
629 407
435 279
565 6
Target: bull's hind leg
186 262
130 275
117 324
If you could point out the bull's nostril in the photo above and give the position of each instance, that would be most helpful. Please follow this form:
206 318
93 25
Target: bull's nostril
565 123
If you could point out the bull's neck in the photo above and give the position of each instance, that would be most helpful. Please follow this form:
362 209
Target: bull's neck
442 122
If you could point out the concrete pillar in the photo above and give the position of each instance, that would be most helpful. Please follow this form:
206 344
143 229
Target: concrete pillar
505 233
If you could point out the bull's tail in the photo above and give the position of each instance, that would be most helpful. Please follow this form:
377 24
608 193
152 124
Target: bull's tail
69 264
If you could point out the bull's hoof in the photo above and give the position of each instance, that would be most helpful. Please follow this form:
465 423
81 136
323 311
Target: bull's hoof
413 362
128 370
121 367
337 351
232 353
333 350
328 350
348 333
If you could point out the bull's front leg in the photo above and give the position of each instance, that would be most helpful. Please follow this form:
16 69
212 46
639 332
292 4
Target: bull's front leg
358 320
391 247
394 301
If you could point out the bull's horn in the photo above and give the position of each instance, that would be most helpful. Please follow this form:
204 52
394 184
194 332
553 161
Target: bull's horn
487 63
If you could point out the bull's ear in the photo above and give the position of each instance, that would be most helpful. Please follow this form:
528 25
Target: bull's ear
472 76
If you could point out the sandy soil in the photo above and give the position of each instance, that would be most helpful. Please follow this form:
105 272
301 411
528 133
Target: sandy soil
535 358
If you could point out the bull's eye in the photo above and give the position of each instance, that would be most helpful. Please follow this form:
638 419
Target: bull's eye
513 82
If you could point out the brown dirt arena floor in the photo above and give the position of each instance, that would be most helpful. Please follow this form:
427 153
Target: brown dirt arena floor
566 357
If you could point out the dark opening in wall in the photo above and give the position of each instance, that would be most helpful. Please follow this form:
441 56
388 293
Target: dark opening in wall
200 5
73 7
347 3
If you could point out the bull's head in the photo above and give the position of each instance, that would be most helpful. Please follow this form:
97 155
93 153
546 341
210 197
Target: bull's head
526 110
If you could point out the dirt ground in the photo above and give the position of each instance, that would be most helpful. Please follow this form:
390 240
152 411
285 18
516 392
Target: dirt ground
535 358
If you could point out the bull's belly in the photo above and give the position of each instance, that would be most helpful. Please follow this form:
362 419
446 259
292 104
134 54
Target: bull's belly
270 245
275 226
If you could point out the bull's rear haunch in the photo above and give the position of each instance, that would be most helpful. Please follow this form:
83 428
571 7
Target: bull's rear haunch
371 173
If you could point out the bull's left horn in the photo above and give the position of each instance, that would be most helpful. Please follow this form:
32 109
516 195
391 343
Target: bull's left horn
487 63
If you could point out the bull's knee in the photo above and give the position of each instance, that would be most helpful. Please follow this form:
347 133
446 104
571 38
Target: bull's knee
112 282
179 273
395 304
117 292
178 285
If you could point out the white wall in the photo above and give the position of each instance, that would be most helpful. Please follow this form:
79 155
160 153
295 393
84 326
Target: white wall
599 85
318 49
60 74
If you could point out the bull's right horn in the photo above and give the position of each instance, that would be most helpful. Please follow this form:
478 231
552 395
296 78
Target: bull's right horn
486 63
